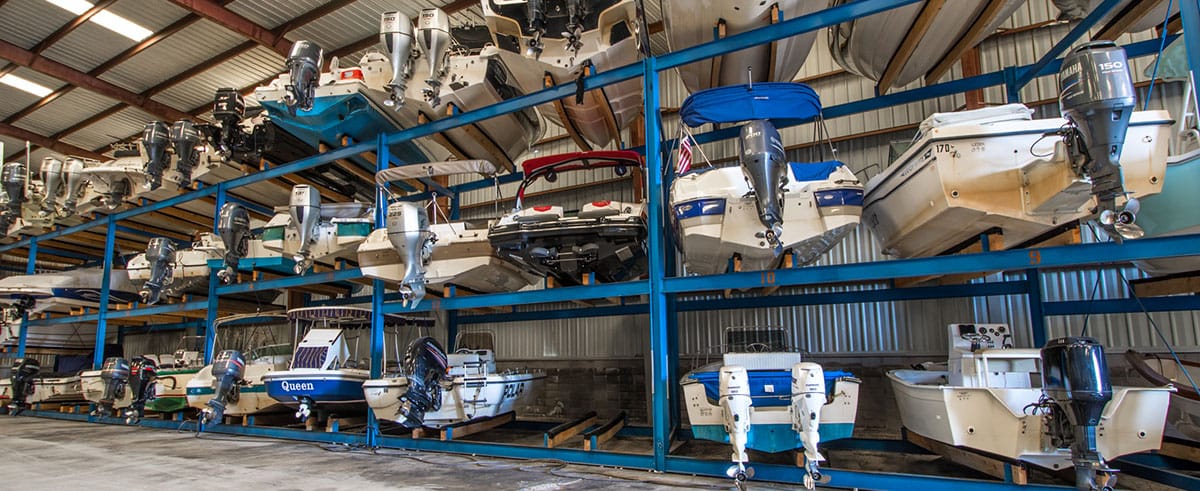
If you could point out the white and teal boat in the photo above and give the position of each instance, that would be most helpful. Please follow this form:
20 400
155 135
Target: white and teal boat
263 337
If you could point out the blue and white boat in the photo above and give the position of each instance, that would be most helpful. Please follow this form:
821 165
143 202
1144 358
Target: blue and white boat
1172 212
759 207
68 289
763 396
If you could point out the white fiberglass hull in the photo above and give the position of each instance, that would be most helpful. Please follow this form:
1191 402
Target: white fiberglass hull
461 257
252 397
47 390
93 390
994 420
189 272
500 394
691 23
962 180
717 220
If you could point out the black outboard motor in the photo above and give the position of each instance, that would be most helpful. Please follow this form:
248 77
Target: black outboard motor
155 138
231 140
227 372
304 68
23 372
160 253
143 373
1075 379
115 375
764 165
185 137
14 181
425 366
1097 97
233 225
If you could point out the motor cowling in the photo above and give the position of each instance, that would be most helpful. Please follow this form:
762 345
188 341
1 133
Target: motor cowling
433 37
408 231
305 212
143 373
155 139
23 372
396 35
304 69
227 370
115 376
764 165
160 254
185 138
808 397
1075 380
233 225
74 176
425 367
51 173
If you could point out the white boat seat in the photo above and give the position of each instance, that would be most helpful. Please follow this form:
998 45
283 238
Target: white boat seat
537 214
600 209
778 360
993 114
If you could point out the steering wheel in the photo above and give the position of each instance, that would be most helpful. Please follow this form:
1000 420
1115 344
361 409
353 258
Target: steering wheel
757 348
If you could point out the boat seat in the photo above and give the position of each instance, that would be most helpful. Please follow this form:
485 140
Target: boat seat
993 114
537 214
600 209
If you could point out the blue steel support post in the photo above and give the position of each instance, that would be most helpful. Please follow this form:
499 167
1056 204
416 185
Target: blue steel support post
1190 12
659 315
672 326
218 205
105 287
377 293
30 268
1037 316
451 329
210 317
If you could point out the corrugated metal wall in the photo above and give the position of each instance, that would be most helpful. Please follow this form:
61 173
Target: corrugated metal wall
915 327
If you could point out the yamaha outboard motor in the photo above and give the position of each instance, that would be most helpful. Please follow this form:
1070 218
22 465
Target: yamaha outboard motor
305 211
14 181
396 35
184 140
115 376
408 231
761 153
1075 379
142 375
155 138
425 366
160 253
227 372
1097 97
304 68
233 225
433 37
52 181
23 372
73 169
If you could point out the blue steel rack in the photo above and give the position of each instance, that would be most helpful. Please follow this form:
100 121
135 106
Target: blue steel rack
663 287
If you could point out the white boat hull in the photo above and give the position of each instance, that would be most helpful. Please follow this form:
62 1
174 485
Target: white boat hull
502 393
252 397
461 256
47 390
93 390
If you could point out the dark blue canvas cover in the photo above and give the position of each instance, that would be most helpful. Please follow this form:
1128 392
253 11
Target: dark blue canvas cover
779 101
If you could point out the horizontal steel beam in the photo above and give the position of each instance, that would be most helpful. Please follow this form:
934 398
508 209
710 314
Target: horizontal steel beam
228 19
291 281
549 295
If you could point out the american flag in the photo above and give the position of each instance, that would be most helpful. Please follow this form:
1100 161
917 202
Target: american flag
685 154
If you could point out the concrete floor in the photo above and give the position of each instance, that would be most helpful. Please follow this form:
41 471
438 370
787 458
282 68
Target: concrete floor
52 454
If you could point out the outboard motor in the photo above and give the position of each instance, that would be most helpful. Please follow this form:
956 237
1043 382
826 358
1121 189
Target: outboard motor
808 397
1075 380
233 225
408 231
735 412
160 253
143 373
576 11
227 372
764 166
155 138
185 137
23 372
1097 98
433 37
14 181
396 35
305 211
115 375
51 173
425 366
304 68
535 11
73 170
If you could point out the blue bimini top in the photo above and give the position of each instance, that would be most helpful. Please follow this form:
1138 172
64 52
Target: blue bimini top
735 103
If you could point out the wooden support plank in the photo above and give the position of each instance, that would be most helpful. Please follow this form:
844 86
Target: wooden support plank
976 31
566 431
992 466
1180 450
441 139
1187 283
773 46
916 32
593 439
714 75
476 426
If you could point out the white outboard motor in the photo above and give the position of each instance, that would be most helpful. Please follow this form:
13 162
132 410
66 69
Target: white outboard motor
304 68
233 225
14 181
1075 380
305 211
396 35
735 410
115 376
160 253
227 372
1097 97
808 397
155 138
433 37
73 170
408 230
51 173
185 137
761 155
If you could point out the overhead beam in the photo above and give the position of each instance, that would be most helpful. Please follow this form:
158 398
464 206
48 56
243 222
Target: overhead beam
70 27
1120 23
985 19
916 32
230 20
44 142
75 77
310 16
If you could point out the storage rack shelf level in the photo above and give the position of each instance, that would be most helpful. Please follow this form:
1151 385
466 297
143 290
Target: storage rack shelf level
662 287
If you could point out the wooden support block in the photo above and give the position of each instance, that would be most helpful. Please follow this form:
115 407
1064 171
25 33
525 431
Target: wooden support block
1180 450
737 267
478 426
419 433
563 432
597 436
993 466
311 423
